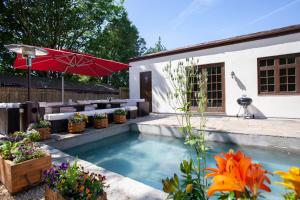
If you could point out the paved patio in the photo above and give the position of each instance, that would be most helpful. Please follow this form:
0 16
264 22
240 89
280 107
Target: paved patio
269 127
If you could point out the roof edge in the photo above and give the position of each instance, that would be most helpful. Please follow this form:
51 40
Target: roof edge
223 42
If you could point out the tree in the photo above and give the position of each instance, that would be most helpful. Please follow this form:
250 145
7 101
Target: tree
119 41
77 25
157 48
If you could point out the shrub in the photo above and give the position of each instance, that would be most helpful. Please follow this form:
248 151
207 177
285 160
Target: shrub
100 116
73 183
41 124
120 112
78 118
20 151
32 135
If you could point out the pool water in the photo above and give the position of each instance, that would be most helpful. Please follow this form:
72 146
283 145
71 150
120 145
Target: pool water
149 159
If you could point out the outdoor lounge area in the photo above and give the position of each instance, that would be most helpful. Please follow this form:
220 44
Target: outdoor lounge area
150 100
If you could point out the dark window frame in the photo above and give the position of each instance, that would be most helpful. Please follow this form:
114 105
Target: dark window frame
277 68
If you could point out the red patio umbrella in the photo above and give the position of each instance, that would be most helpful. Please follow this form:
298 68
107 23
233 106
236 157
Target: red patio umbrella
66 61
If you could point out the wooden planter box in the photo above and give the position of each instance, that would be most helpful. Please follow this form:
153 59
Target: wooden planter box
100 123
76 127
51 195
20 176
44 133
119 119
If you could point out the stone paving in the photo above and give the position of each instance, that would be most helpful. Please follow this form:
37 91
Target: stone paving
270 127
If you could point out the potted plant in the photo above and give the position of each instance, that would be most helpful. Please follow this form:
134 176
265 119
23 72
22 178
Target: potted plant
32 135
120 116
77 123
100 120
71 182
22 163
44 128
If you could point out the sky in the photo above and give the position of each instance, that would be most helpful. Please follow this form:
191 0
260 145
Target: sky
181 23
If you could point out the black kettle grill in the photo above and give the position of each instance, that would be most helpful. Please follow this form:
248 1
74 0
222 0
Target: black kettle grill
244 102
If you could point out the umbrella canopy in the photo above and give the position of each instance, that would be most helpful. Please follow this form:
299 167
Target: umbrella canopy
66 61
71 62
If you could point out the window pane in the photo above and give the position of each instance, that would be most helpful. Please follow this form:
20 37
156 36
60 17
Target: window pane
283 87
219 79
291 71
270 62
263 88
282 61
271 88
262 63
213 70
263 81
214 78
270 80
282 80
214 95
291 87
219 87
291 60
270 72
209 79
291 79
219 103
220 95
219 70
214 87
263 73
282 72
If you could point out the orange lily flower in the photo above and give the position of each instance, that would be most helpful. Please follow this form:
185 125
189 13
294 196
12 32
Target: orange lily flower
256 177
235 172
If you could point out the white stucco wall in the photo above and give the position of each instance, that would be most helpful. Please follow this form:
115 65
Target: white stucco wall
240 58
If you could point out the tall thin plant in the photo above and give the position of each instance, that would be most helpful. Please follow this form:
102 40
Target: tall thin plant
187 96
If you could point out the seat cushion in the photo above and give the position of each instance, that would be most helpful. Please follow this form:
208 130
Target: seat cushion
58 116
130 108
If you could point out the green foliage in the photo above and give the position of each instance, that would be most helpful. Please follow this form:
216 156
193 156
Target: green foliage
98 27
41 124
20 151
189 82
78 118
291 196
73 183
33 135
188 188
100 116
157 48
120 112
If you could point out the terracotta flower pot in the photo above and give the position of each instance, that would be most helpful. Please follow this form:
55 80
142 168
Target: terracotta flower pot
44 133
76 127
17 177
51 195
100 123
119 119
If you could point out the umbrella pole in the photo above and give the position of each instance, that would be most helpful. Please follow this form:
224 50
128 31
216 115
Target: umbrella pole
63 88
29 64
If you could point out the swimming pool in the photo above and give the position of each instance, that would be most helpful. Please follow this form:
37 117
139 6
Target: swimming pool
149 159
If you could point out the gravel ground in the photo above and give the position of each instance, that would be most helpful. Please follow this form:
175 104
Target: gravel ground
35 193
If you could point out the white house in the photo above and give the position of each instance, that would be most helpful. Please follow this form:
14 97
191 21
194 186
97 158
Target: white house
266 68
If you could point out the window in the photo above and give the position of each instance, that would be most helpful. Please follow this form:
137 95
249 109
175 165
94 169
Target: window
215 87
279 75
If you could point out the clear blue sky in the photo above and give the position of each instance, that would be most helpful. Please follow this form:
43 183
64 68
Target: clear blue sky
187 22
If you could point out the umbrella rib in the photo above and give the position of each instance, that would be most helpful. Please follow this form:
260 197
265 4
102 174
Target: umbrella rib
104 67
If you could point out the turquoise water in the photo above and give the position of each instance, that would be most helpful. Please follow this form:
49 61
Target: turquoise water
148 159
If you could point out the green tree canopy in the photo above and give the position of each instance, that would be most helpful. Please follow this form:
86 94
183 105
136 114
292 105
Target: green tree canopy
157 47
100 27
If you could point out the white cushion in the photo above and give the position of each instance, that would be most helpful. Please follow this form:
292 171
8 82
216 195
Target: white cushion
130 108
89 108
10 105
58 116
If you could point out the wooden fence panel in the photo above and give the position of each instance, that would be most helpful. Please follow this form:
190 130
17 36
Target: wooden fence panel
16 94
